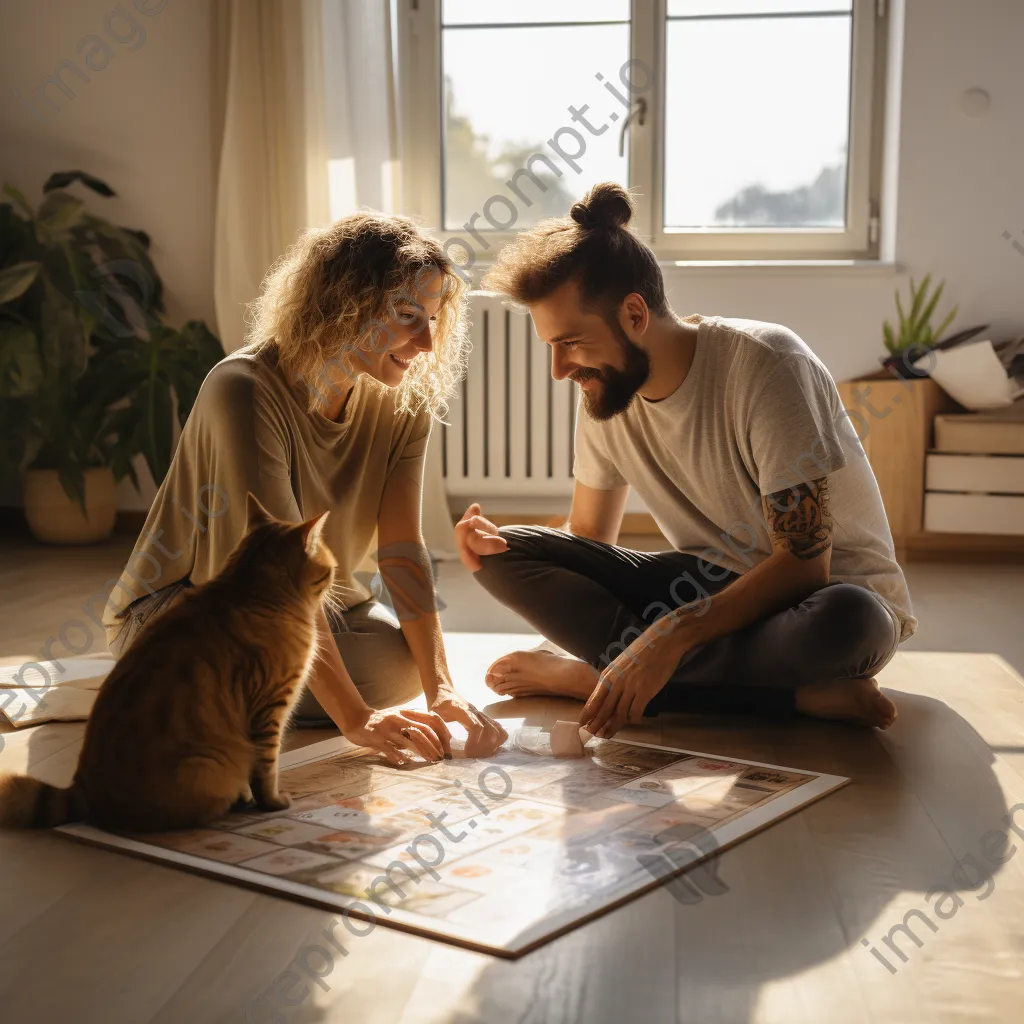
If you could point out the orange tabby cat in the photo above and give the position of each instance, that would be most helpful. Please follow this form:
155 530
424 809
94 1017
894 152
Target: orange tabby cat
190 718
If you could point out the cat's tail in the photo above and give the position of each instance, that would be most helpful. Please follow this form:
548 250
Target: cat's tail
29 803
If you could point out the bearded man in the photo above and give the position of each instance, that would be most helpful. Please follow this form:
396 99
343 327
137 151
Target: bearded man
781 594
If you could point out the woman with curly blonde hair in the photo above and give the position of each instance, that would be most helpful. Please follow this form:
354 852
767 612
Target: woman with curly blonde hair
356 342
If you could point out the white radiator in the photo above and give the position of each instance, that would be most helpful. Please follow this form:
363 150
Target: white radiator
509 433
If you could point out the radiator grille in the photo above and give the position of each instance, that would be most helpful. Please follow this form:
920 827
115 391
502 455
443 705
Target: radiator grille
510 430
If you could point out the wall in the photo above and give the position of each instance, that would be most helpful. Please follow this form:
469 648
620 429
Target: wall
142 123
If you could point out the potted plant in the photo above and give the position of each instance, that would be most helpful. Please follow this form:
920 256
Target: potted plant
914 337
90 376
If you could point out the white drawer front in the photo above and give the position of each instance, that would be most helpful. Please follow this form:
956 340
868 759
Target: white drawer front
974 513
980 474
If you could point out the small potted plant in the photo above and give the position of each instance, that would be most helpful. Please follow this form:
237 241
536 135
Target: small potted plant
90 376
913 337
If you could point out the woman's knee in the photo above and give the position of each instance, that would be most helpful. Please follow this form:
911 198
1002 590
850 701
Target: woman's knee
396 681
377 657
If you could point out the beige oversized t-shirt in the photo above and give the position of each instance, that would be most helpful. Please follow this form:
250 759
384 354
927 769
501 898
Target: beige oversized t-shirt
757 413
250 431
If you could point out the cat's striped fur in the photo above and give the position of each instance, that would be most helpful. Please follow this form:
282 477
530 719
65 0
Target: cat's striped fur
189 720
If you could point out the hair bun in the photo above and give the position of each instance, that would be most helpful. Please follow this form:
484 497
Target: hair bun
605 206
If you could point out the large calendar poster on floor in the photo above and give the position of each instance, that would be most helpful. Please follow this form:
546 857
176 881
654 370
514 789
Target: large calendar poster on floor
498 854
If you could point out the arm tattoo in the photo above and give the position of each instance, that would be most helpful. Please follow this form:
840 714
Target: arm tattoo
798 519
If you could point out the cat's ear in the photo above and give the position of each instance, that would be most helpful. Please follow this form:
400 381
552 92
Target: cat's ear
255 513
311 530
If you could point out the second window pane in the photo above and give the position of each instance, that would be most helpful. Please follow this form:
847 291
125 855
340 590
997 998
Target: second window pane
757 122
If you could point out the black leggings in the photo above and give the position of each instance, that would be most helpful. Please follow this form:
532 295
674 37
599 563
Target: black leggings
594 599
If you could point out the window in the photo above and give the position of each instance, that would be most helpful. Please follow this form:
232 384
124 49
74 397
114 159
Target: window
746 128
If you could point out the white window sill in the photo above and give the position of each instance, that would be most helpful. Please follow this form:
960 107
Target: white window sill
870 268
788 268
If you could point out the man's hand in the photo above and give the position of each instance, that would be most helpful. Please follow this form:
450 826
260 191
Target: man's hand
476 536
626 686
485 734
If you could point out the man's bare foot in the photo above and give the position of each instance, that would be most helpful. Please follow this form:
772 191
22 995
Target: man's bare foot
541 673
847 700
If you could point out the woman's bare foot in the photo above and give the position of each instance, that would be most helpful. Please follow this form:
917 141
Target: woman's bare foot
541 673
847 700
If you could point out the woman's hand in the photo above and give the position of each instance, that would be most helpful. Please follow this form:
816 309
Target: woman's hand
626 686
485 735
391 732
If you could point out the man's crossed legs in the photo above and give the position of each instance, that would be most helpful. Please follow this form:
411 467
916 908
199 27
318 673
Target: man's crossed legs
592 600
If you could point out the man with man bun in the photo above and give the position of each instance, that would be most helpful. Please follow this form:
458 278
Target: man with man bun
781 594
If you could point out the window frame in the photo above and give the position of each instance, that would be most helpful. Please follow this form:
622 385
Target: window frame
420 88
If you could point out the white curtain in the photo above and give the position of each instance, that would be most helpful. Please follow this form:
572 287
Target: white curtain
308 135
272 174
362 128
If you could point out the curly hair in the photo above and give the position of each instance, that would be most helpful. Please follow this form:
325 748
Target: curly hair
334 292
594 246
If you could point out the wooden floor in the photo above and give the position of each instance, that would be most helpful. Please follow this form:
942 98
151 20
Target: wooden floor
87 935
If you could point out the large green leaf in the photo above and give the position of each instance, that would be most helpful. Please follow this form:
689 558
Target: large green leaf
122 455
119 299
140 236
19 434
17 239
66 271
57 214
72 478
17 279
21 371
19 200
61 179
114 251
159 429
65 348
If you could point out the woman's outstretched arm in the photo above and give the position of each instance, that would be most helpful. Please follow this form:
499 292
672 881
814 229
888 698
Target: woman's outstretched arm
404 565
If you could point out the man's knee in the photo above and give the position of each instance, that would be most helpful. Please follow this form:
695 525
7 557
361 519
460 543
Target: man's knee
498 571
525 539
518 537
853 622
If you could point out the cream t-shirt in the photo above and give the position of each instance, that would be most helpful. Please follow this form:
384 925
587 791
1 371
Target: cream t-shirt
757 413
250 431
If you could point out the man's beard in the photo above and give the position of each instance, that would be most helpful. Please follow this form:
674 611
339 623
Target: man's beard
617 387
